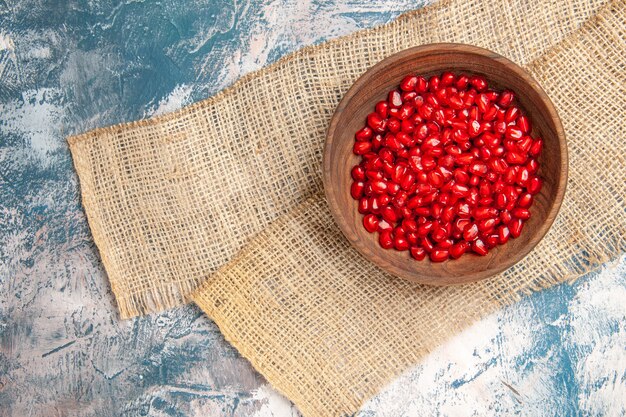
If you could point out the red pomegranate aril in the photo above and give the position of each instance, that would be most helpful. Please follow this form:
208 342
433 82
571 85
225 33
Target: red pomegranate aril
394 99
364 205
511 114
462 81
364 134
394 125
478 168
438 234
525 200
356 189
361 148
458 249
358 173
408 83
426 243
534 185
501 201
515 158
410 225
370 222
408 96
379 186
491 240
523 175
479 83
385 238
500 127
472 198
433 83
382 109
479 247
377 123
393 188
489 115
407 126
506 98
486 225
533 166
505 216
383 200
418 253
389 214
464 159
480 213
471 232
401 243
521 213
525 144
523 123
436 210
503 234
412 238
513 133
439 255
406 111
447 78
424 229
515 227
536 148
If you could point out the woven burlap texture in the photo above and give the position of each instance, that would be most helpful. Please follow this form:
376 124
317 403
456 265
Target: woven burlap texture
233 183
171 199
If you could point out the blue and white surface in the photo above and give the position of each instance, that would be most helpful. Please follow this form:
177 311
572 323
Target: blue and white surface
66 67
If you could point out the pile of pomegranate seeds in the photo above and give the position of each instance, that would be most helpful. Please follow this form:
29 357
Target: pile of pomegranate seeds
447 166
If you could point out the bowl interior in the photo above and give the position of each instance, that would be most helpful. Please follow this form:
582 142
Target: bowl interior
428 60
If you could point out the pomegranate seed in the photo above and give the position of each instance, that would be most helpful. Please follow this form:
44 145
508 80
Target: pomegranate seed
534 185
479 83
525 200
458 249
479 247
356 190
418 253
439 255
394 99
370 222
521 213
523 123
536 148
485 212
401 243
506 98
470 233
377 123
513 133
462 81
408 83
394 125
515 158
503 234
385 238
515 227
511 114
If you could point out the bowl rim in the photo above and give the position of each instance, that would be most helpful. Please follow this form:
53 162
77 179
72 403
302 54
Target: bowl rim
434 48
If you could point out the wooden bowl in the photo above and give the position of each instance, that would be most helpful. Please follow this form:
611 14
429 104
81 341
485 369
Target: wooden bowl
428 60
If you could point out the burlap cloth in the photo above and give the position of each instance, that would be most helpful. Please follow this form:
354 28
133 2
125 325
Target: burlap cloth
227 193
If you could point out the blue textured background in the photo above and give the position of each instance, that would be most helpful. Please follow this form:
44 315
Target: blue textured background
69 66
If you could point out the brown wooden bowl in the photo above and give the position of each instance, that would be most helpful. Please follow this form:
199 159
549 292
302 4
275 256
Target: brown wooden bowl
428 60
